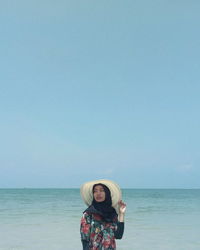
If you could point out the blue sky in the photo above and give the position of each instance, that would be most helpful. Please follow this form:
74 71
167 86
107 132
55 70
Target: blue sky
100 89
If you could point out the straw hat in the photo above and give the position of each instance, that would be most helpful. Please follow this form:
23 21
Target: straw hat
87 192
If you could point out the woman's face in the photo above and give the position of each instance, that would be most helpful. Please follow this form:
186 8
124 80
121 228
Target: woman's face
99 193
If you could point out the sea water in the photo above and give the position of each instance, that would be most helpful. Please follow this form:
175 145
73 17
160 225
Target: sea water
49 219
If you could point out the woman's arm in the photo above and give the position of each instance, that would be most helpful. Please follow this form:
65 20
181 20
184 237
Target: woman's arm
122 210
120 230
85 230
120 225
85 244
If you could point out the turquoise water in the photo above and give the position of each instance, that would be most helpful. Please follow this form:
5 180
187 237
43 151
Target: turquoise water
48 219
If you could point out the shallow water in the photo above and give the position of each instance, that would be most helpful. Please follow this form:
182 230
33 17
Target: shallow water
48 219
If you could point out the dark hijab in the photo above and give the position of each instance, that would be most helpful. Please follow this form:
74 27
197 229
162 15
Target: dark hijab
105 208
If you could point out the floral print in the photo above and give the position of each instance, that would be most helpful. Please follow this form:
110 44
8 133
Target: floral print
98 233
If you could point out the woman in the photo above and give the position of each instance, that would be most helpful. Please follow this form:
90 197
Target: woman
103 221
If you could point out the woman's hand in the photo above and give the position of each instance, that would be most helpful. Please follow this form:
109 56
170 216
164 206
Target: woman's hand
122 207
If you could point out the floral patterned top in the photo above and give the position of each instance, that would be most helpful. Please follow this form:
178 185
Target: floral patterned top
97 234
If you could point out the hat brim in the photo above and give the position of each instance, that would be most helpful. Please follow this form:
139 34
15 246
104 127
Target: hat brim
87 192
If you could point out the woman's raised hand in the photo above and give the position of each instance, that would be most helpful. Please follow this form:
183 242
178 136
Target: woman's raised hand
122 207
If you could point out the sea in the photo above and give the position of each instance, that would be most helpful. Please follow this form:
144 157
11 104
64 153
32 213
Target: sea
49 219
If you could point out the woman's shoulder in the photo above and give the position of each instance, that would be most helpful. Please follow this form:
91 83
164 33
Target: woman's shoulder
86 218
90 211
92 214
86 214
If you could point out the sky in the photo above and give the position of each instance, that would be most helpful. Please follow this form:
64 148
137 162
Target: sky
99 90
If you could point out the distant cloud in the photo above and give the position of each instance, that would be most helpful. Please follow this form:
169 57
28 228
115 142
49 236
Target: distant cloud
106 171
185 168
109 171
